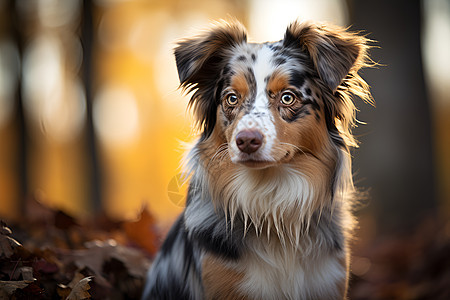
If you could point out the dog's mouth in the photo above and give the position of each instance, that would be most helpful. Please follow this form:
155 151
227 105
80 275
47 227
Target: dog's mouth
261 160
257 164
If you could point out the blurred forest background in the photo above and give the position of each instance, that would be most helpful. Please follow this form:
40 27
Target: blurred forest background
92 121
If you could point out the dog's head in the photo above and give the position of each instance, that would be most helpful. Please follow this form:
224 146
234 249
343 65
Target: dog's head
269 102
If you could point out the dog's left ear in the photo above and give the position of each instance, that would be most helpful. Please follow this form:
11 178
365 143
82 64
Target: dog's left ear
333 50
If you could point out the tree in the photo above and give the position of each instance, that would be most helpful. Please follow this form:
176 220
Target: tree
395 159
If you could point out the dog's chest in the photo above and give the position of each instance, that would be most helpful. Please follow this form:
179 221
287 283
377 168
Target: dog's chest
270 271
274 272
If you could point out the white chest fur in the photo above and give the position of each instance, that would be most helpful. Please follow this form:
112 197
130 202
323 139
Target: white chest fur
275 272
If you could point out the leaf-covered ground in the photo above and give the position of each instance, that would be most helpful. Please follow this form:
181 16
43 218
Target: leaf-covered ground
411 266
50 255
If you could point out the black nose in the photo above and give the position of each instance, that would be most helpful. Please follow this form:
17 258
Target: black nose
248 141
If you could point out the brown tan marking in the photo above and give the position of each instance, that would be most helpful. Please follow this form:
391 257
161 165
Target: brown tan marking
239 84
278 82
220 281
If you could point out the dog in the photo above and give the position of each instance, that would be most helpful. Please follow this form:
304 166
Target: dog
269 205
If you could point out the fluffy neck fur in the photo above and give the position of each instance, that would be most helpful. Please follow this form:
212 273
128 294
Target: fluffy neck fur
280 201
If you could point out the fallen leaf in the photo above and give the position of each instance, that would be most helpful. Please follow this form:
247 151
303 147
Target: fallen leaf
59 249
98 252
93 257
143 232
63 291
7 244
80 290
4 230
9 287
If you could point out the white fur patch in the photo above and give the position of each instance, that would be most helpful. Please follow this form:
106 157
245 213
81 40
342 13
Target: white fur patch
260 117
270 270
266 197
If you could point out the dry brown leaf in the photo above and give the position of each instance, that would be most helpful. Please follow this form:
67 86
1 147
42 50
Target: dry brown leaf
9 287
63 291
98 252
53 255
5 230
143 232
135 262
80 290
92 258
7 244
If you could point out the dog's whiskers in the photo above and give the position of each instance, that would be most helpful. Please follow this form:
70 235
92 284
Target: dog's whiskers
302 149
223 147
220 153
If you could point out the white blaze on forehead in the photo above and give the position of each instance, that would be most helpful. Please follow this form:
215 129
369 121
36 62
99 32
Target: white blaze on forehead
259 117
263 68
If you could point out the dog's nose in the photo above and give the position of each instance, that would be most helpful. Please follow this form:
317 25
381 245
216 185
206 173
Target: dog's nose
249 141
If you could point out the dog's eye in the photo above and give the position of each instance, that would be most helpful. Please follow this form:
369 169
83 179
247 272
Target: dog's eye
232 99
287 98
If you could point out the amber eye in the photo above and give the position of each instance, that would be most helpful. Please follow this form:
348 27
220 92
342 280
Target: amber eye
232 99
287 98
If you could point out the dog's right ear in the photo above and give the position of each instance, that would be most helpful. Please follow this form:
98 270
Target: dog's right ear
199 58
200 62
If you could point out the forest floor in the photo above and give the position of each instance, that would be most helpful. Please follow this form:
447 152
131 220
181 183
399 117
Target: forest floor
51 255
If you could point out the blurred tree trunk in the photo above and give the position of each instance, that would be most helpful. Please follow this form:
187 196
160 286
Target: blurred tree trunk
19 121
395 158
87 39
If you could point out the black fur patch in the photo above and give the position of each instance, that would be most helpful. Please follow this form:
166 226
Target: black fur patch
226 70
251 81
333 131
242 58
275 47
221 239
317 116
313 103
168 276
297 79
213 231
280 60
327 227
291 115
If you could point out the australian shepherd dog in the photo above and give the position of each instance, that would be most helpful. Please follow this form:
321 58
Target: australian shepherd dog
268 211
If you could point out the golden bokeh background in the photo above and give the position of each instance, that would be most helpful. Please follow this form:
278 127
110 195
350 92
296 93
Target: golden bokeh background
91 117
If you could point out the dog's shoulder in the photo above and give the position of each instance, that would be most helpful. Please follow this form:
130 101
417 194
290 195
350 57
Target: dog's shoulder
177 262
210 227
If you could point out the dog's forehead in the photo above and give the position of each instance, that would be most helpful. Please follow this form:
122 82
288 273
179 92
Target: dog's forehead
265 59
256 59
251 53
